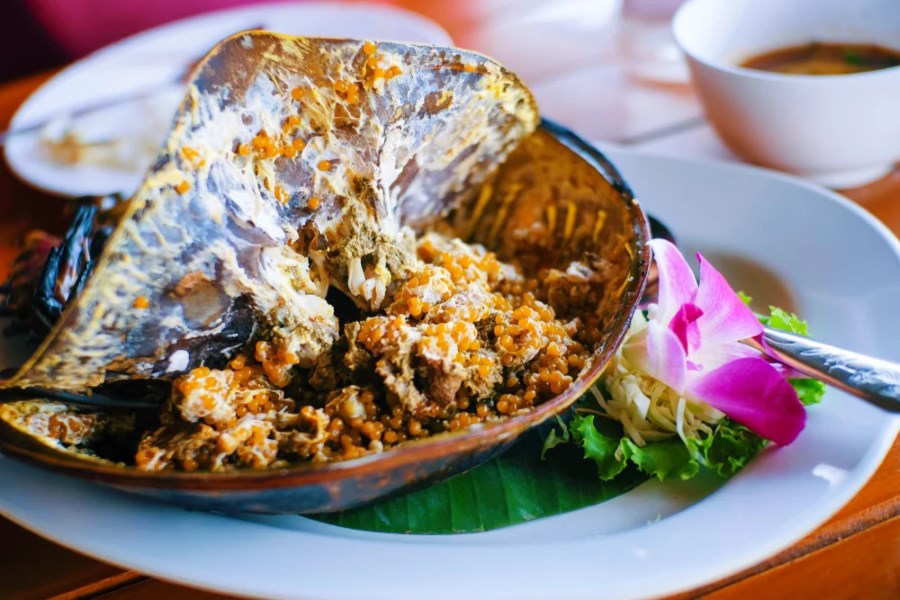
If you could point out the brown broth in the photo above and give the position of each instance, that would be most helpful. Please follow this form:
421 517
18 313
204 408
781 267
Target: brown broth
824 58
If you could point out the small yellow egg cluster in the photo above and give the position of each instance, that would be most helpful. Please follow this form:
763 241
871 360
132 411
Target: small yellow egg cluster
422 291
353 426
463 266
348 90
264 145
372 69
277 361
209 386
453 339
382 330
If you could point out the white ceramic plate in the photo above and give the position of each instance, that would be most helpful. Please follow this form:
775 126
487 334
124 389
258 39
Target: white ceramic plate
127 135
774 236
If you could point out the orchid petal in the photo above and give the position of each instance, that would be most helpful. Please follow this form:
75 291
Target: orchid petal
677 284
788 372
712 357
725 316
658 352
753 393
684 326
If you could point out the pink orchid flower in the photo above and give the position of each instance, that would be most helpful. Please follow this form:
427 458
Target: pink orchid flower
692 344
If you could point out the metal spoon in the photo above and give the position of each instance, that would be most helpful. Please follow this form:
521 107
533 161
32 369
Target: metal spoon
874 380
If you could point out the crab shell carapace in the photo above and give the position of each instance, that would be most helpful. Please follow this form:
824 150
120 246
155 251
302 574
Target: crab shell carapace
292 165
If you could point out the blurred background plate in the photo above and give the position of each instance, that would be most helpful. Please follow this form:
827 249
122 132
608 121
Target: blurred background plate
108 150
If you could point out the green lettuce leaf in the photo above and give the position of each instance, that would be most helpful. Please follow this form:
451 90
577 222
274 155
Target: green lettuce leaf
784 321
810 391
598 446
602 442
667 459
728 449
779 318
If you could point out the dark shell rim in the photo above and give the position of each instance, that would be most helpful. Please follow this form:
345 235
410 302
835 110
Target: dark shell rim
22 446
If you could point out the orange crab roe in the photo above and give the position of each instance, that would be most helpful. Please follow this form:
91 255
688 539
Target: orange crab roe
492 346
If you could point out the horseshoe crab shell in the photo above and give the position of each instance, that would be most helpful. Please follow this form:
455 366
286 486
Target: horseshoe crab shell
210 254
358 144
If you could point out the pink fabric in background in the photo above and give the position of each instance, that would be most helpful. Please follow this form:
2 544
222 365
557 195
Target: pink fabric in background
82 26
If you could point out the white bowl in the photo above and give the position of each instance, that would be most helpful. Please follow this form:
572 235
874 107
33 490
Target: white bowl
840 130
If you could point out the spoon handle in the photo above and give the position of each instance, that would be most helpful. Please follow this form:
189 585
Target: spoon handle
874 380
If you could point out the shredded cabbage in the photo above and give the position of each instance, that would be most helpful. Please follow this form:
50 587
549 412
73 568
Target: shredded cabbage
648 409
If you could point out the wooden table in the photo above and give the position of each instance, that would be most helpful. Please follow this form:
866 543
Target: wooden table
856 554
